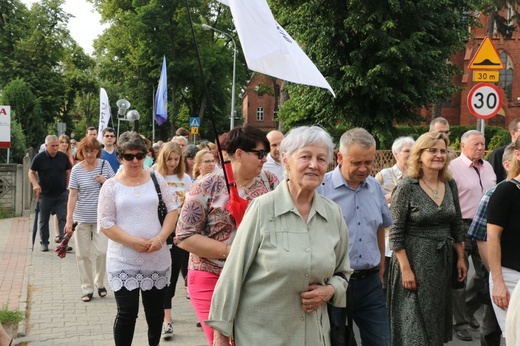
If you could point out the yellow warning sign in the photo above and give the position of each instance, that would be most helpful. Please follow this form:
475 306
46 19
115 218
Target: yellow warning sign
486 57
194 130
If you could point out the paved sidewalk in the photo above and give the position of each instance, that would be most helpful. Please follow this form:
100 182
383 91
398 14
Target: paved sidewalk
47 289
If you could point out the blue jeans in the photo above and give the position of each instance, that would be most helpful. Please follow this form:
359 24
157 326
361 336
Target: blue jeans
367 305
59 204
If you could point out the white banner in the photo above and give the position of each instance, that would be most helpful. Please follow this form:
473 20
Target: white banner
104 113
5 126
268 48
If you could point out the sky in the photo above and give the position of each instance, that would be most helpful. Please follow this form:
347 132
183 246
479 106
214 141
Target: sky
85 26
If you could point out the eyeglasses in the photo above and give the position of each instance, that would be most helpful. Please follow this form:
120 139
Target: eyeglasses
435 151
447 133
260 153
110 136
130 157
209 161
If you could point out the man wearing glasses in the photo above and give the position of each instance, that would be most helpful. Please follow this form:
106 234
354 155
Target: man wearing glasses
366 213
473 176
496 156
109 151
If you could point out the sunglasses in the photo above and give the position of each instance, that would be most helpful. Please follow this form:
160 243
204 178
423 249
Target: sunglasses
130 157
260 153
110 136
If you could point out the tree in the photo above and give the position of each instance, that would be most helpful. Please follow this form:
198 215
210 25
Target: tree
384 59
25 111
130 53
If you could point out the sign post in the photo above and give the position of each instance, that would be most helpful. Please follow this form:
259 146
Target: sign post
485 100
5 129
485 65
194 127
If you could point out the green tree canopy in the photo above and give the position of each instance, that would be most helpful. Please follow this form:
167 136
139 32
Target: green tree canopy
384 59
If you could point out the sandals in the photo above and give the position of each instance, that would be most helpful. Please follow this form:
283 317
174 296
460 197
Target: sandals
87 297
102 292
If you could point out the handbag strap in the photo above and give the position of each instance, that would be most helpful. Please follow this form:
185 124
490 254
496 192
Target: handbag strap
157 187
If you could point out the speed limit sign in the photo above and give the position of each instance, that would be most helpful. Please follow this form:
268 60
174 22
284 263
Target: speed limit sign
485 100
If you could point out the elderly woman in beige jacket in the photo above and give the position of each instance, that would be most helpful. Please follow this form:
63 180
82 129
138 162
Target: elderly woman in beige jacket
289 258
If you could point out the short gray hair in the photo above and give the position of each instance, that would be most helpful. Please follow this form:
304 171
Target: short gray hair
400 142
50 138
182 138
304 136
438 120
466 135
356 135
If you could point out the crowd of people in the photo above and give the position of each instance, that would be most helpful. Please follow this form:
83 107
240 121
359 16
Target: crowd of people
333 248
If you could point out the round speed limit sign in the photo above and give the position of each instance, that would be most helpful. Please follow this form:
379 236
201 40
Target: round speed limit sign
485 100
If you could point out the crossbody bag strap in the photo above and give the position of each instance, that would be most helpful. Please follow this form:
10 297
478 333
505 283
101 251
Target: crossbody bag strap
157 187
514 181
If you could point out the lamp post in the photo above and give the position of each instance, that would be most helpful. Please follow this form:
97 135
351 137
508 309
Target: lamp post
232 119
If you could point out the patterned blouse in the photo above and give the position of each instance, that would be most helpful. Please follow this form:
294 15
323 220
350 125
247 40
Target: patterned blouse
204 212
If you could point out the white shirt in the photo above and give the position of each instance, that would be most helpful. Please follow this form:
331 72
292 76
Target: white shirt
274 167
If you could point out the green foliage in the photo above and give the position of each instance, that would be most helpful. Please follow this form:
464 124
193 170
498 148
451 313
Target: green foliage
18 145
9 316
25 111
384 59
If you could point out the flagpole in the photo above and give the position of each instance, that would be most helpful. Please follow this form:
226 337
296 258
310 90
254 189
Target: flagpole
153 114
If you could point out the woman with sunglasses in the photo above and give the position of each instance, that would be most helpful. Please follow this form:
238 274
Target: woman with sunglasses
427 221
138 259
85 183
206 228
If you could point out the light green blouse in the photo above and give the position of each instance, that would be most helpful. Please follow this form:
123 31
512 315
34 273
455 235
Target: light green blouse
275 256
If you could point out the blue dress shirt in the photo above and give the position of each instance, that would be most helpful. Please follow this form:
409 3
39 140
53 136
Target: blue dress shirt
364 210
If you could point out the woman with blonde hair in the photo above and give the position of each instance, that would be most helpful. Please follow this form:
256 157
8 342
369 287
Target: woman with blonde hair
64 147
170 164
427 221
204 163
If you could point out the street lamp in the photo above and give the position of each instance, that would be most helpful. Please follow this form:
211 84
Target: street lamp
232 120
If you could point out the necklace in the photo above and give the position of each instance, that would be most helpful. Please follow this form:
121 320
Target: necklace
135 183
436 191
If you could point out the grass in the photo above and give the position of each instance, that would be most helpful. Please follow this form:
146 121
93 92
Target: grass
9 316
5 213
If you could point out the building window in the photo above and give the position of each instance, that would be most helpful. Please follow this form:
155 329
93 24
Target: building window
260 114
506 75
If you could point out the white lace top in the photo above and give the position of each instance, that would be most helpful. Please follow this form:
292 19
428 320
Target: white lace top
134 209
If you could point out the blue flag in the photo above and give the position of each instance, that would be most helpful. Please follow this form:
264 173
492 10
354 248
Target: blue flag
161 97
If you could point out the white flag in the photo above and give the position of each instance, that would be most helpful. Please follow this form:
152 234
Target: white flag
104 113
268 48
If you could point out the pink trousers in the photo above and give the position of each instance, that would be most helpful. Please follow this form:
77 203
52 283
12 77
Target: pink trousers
201 285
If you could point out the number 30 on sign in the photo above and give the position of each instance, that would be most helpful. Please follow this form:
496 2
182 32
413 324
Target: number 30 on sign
485 100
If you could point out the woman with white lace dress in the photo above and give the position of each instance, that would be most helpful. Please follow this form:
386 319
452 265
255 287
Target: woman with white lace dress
138 259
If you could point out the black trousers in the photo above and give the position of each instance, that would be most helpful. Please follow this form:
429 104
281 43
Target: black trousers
180 259
127 309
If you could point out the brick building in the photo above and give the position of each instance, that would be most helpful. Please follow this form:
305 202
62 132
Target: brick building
259 102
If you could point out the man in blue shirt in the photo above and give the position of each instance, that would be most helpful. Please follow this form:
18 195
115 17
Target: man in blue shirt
362 201
109 151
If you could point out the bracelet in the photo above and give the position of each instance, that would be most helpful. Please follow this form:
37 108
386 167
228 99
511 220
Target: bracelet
160 241
224 254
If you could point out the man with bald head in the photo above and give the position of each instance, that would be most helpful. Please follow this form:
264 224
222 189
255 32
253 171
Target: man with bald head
273 163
